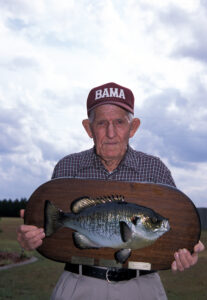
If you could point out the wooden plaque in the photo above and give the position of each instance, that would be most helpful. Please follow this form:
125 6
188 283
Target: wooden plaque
165 200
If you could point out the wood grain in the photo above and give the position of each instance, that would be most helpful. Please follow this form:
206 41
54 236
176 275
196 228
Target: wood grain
168 202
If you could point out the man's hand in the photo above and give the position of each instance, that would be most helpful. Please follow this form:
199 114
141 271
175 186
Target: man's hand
184 259
29 237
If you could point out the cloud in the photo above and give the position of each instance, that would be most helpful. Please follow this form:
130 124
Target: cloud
52 54
10 125
172 124
191 42
173 127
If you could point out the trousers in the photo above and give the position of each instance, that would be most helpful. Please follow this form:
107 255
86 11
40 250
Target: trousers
77 287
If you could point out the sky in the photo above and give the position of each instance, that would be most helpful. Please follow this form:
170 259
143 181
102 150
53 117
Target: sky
52 53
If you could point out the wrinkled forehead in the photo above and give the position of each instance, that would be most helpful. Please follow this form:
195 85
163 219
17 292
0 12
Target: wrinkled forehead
109 111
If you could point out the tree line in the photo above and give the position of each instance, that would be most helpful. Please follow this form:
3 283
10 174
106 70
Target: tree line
202 211
11 208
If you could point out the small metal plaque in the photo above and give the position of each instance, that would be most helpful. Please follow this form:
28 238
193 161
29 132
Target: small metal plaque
139 265
82 260
109 263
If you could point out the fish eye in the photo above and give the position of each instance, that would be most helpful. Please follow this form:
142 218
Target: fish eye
134 220
154 220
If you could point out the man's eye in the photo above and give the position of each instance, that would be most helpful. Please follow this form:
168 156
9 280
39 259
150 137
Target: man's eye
119 121
100 123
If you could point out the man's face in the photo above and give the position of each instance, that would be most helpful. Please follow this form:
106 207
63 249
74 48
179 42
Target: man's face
111 130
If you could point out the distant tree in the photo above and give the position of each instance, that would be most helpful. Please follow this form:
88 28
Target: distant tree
11 208
202 211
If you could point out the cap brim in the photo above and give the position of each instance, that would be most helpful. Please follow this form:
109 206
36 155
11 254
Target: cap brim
120 104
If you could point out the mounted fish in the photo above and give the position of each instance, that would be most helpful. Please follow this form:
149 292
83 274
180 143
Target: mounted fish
108 222
109 226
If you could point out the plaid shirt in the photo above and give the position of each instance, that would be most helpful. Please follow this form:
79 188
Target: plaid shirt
135 166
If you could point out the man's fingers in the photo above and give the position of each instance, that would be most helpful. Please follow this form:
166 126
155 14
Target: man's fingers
174 266
33 243
199 247
30 237
27 228
184 260
178 262
21 213
34 234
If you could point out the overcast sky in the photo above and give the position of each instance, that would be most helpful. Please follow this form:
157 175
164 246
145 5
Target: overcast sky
53 52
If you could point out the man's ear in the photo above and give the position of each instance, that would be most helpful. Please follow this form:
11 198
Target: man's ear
135 123
87 126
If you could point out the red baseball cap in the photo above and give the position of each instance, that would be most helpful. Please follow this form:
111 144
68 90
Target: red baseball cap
111 93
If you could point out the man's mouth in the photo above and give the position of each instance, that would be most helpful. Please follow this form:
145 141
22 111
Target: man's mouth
111 143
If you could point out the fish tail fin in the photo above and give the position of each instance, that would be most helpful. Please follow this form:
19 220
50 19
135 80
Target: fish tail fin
52 220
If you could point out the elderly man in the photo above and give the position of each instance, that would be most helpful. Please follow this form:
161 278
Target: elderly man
110 124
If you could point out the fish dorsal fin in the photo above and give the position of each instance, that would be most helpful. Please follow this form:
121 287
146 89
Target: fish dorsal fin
84 202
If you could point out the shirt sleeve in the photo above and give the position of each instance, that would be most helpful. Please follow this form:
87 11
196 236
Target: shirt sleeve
167 176
58 170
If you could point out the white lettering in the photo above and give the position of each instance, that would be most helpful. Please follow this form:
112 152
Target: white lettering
112 92
105 93
98 94
121 95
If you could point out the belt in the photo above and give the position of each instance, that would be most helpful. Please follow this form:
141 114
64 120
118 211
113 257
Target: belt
110 274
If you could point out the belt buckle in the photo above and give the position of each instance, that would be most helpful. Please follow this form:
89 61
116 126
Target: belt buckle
107 276
114 270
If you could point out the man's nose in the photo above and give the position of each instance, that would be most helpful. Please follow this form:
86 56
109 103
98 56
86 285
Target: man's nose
111 131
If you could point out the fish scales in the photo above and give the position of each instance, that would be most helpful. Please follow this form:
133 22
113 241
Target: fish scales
119 225
103 220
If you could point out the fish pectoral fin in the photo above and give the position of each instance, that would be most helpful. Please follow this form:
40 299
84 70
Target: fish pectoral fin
82 242
122 255
125 231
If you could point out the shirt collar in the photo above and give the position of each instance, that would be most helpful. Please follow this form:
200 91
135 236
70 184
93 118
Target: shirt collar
91 159
130 159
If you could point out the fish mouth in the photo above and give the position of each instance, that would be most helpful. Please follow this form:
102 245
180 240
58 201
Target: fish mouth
165 226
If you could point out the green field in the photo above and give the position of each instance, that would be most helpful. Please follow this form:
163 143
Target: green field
36 280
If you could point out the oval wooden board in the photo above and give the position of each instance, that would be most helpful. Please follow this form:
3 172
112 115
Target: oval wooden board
167 201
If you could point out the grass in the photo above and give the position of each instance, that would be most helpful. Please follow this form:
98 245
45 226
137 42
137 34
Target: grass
32 281
6 262
37 280
190 284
